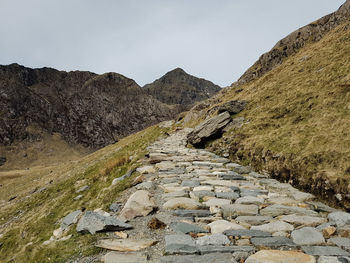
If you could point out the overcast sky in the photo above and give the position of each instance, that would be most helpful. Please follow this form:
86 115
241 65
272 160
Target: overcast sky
143 39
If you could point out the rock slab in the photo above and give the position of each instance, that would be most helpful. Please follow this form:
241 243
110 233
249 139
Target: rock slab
276 256
209 129
93 222
125 245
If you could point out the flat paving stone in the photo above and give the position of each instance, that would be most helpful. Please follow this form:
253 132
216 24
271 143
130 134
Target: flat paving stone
182 202
272 242
180 244
116 257
172 195
227 195
235 210
242 169
321 207
185 228
225 249
275 226
171 180
301 196
307 236
190 183
198 195
170 189
210 258
217 202
254 220
303 220
247 233
221 226
250 200
342 242
192 213
203 188
340 218
277 210
324 251
327 259
257 175
247 192
125 245
215 239
277 256
231 176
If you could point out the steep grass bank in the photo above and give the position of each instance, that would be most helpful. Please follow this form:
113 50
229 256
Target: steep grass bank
298 119
26 224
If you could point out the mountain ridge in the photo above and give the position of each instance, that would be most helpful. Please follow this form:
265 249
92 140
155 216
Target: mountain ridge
292 43
84 107
179 87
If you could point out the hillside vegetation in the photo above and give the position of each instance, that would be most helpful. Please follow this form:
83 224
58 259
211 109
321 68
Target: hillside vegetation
29 220
297 118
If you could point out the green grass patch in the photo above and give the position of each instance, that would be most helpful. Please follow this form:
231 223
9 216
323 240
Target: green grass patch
35 218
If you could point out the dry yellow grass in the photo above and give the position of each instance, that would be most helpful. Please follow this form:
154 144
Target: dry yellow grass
299 118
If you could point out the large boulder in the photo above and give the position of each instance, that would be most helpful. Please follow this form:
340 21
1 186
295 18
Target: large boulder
209 129
233 106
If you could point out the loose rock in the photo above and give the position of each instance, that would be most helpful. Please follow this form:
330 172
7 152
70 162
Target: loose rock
140 203
125 245
93 222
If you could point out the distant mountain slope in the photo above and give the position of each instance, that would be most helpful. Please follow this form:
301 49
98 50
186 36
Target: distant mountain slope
178 87
86 108
295 41
297 119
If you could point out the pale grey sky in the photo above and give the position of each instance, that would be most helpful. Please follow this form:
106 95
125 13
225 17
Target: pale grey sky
143 39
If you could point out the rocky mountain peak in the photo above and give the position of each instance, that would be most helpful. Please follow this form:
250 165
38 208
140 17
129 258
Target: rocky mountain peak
86 108
179 87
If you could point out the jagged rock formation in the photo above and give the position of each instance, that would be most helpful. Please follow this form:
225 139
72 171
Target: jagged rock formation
295 41
178 87
86 108
209 129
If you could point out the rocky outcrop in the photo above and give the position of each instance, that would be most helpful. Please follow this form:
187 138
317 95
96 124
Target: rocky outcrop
209 129
86 108
295 41
178 87
232 107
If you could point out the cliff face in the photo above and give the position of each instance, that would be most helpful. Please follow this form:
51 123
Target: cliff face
294 42
178 87
86 108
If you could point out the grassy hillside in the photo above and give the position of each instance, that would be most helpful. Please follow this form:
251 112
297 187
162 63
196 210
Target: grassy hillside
29 220
299 118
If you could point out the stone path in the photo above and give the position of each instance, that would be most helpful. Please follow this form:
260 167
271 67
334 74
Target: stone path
218 211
